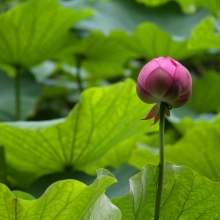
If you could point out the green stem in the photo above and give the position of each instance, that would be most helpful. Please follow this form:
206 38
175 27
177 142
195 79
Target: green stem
161 163
17 95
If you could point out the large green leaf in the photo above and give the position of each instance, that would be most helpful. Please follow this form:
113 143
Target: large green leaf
107 121
188 6
35 31
199 149
199 40
64 200
186 195
201 89
149 41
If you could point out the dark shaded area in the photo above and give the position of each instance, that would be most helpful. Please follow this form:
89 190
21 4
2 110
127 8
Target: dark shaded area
122 174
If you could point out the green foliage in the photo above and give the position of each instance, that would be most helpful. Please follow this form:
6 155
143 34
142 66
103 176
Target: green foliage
198 148
203 143
142 156
128 14
210 103
22 195
163 45
84 139
97 52
209 40
190 195
35 31
81 44
120 188
68 199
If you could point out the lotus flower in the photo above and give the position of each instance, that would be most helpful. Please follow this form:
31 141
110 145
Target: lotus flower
164 80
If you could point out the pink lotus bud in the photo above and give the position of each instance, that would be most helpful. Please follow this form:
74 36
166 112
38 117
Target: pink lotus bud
164 80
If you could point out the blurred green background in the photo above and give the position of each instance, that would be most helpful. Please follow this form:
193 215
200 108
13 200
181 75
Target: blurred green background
53 52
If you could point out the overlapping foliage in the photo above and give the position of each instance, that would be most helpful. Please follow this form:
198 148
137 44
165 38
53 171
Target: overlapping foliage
95 46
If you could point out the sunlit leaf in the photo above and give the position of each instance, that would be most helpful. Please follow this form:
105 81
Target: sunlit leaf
34 125
199 40
199 149
107 121
149 41
67 199
186 195
22 195
147 149
141 156
34 31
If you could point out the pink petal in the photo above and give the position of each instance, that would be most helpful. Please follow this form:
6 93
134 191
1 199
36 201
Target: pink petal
173 93
182 100
145 96
158 83
183 76
159 59
146 71
169 65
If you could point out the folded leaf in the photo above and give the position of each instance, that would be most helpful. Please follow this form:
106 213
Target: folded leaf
186 195
67 199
